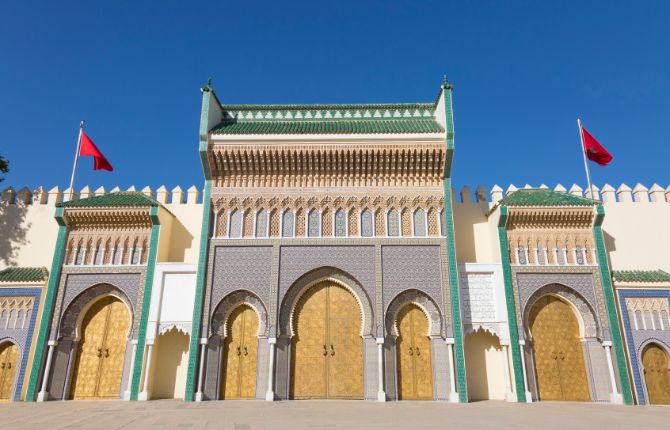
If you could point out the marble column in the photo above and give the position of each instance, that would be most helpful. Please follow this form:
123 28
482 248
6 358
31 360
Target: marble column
201 370
615 395
43 394
453 395
270 394
381 394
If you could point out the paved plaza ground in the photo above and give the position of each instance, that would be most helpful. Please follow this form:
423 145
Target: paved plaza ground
295 415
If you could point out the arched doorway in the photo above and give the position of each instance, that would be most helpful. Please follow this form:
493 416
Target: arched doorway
9 360
99 364
415 367
327 348
558 354
484 362
240 349
169 376
656 374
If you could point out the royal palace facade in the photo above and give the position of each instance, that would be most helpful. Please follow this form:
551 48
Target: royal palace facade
328 257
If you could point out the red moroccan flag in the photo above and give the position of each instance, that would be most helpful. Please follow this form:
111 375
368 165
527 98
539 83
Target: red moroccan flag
89 148
594 150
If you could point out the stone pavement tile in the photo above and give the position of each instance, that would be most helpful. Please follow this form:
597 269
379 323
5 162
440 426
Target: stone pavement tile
327 415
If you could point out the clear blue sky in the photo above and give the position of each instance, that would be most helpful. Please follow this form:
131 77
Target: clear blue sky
523 71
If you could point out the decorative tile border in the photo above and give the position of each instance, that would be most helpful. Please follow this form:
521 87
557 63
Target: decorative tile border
631 344
28 335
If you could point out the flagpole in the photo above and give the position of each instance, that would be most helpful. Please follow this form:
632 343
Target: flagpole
586 164
76 158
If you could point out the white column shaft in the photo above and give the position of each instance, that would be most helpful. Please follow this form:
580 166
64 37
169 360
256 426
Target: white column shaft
270 395
45 379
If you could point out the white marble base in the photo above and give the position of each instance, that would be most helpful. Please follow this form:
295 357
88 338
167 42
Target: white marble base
143 396
270 396
529 397
198 397
42 396
381 396
616 398
453 397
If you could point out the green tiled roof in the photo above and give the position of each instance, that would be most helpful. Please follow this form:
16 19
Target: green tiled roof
641 276
325 107
328 119
23 274
118 199
544 197
376 126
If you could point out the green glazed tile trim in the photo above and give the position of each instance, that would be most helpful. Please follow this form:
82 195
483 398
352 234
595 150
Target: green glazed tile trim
511 308
194 345
199 293
146 303
544 197
47 311
327 107
455 295
641 276
117 199
374 126
24 274
454 288
608 290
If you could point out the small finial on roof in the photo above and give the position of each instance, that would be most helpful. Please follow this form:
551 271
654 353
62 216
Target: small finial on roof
207 87
445 83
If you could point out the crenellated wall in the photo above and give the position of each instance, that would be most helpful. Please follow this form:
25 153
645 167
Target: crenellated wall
636 226
28 229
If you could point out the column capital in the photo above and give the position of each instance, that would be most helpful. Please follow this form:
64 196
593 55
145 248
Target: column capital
379 341
203 341
450 341
607 343
272 340
52 343
522 342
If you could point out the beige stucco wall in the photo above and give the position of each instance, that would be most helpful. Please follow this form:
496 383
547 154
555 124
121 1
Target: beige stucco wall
185 238
484 363
637 235
476 234
171 355
28 235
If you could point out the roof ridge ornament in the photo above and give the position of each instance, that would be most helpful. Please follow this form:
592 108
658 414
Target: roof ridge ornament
208 86
445 83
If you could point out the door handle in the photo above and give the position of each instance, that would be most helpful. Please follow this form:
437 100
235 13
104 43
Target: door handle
106 352
9 365
239 352
325 350
417 350
245 351
3 366
99 352
411 352
332 350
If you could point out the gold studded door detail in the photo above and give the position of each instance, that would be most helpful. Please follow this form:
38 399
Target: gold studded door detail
327 349
240 350
656 375
99 365
9 358
558 353
415 371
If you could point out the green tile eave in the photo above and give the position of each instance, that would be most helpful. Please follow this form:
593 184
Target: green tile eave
533 197
24 274
117 199
326 106
640 276
373 126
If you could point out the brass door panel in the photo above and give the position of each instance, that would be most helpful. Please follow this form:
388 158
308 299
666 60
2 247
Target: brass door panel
327 349
99 363
116 334
308 364
240 351
656 375
558 353
415 370
9 360
345 345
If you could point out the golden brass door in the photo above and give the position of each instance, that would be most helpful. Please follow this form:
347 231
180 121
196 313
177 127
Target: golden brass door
415 369
327 349
9 360
558 353
240 350
101 352
656 374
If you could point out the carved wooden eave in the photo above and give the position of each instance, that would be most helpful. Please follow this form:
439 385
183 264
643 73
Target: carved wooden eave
107 218
334 164
551 217
328 201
